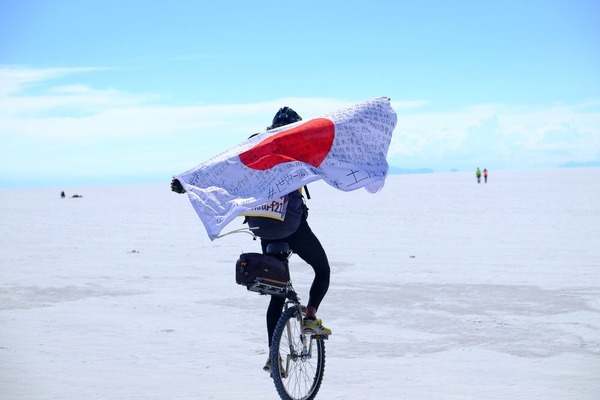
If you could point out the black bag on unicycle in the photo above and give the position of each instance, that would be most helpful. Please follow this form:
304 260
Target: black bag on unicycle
252 268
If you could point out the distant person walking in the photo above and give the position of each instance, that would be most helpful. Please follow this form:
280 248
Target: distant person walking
485 175
62 194
478 175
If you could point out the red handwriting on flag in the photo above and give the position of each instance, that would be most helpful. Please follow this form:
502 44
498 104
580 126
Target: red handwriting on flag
309 143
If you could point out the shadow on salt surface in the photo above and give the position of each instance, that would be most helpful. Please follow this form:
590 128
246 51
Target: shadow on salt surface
25 297
523 321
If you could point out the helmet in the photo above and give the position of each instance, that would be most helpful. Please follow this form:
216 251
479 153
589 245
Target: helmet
284 116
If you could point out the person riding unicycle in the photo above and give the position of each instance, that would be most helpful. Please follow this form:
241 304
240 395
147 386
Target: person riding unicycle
301 241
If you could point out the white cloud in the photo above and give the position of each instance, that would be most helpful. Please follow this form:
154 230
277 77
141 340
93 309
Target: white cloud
52 130
13 79
78 110
64 127
503 136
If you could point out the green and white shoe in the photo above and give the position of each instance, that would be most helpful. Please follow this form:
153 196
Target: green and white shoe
267 367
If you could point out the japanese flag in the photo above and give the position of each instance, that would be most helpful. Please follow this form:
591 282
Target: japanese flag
346 148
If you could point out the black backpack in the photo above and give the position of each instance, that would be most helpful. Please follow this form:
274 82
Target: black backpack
273 229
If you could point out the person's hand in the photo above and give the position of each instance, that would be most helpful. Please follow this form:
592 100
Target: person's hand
176 186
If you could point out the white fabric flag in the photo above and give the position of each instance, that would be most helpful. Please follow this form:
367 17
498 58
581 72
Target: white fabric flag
346 148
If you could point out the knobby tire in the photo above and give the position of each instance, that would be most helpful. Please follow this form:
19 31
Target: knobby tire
303 375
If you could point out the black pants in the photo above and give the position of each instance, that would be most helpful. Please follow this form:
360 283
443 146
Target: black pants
304 243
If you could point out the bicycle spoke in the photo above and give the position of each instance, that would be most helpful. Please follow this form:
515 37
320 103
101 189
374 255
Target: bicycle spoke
303 359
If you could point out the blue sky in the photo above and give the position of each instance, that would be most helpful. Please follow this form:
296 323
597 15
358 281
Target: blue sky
105 92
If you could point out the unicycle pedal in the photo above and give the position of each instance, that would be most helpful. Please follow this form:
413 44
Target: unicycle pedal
320 337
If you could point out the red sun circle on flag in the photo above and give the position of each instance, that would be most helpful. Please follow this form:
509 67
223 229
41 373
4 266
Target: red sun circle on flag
309 143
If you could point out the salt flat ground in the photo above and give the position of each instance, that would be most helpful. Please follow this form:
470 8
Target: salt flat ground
441 288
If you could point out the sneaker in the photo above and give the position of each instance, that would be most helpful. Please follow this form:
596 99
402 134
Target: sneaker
267 367
313 326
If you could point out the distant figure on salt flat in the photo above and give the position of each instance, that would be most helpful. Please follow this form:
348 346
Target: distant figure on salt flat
485 175
478 175
76 196
62 194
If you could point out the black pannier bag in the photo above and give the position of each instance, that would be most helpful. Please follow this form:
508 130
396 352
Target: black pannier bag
267 269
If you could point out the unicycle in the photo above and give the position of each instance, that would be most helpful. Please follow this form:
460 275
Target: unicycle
297 359
303 356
